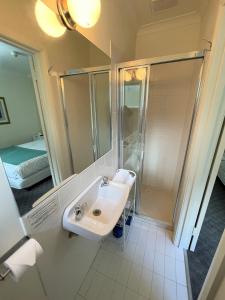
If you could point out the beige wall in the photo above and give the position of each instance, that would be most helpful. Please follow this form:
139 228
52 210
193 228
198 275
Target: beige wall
117 27
177 35
209 10
78 111
180 34
103 116
221 290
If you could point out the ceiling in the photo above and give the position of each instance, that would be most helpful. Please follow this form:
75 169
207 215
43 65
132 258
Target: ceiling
145 13
10 62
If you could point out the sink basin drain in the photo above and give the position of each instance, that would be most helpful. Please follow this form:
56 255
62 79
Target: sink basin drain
97 212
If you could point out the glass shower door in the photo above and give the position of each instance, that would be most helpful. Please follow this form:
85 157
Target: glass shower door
172 104
133 93
157 113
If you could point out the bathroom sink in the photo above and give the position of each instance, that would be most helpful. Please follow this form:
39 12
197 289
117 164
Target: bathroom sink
102 207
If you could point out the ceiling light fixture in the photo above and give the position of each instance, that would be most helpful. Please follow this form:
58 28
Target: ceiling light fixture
127 76
71 13
48 21
138 74
84 13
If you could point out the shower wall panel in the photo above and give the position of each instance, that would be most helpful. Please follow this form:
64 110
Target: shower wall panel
171 102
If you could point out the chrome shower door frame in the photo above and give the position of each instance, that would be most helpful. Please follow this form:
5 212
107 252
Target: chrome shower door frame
90 72
120 100
142 118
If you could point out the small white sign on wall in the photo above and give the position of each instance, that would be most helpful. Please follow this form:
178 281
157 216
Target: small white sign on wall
43 213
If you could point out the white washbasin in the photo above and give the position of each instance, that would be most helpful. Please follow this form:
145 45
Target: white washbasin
110 199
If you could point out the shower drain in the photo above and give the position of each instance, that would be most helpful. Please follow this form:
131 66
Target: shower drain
97 212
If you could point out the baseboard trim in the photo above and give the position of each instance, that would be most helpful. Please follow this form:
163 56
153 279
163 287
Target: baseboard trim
155 222
190 297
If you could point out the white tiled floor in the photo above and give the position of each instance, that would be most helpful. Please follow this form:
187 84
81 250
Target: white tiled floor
150 268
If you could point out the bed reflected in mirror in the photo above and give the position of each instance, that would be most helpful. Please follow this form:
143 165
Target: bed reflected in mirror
23 149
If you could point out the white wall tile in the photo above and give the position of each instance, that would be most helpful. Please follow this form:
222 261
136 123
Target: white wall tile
170 290
69 191
134 277
157 287
78 297
180 272
151 239
131 295
180 254
159 263
139 254
143 238
160 241
145 283
118 292
106 289
182 292
170 268
170 249
95 287
87 282
124 272
129 250
149 259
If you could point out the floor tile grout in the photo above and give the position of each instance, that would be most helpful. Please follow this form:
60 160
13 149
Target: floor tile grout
136 260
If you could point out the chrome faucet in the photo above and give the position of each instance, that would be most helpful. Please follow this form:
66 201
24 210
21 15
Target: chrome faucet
79 211
105 181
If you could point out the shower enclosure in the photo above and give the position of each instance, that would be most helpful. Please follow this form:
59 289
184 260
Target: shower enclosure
158 103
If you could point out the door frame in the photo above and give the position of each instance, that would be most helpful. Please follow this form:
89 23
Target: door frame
147 63
206 134
34 64
209 187
215 276
142 117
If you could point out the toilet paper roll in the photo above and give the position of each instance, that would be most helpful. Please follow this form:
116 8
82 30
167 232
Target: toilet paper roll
24 258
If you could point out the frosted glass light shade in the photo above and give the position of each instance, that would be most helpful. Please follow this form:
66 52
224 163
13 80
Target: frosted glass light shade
127 76
84 12
140 74
48 21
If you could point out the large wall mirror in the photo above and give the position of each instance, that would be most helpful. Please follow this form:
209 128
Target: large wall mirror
23 148
87 107
25 138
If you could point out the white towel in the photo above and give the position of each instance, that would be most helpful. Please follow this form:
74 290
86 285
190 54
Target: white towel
125 177
121 176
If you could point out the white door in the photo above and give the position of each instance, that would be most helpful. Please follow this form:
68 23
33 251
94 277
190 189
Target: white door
209 187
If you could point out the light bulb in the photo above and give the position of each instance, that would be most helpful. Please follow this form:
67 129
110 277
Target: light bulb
48 21
140 74
127 76
84 12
